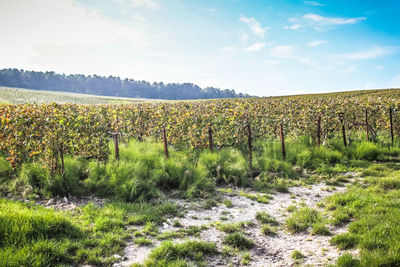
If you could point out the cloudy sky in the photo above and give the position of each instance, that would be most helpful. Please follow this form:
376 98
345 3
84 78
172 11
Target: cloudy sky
260 47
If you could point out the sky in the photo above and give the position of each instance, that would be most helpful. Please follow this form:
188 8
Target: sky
259 47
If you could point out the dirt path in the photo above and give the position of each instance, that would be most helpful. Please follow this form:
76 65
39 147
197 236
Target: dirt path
269 250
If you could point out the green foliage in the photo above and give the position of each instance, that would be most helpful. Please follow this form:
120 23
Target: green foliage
142 241
302 218
320 229
229 227
368 151
238 240
347 260
265 218
5 169
226 166
168 253
297 255
374 214
344 241
267 229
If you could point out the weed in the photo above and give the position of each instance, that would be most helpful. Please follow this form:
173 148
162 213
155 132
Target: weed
267 229
297 255
228 203
238 240
302 218
142 241
265 218
246 258
344 241
320 229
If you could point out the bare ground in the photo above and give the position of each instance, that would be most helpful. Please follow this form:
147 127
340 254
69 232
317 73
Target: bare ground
269 250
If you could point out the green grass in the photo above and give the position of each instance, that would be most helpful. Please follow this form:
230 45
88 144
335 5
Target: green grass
267 229
142 241
169 254
238 240
31 235
373 212
297 255
229 227
302 218
265 218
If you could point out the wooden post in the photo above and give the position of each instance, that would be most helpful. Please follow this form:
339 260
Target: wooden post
282 141
210 141
116 147
319 131
391 123
250 145
343 129
164 134
366 124
61 150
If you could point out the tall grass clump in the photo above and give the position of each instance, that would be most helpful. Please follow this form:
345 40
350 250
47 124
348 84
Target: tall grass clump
143 171
36 178
368 151
225 166
5 169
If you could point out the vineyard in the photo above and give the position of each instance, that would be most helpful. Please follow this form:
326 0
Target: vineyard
43 131
307 179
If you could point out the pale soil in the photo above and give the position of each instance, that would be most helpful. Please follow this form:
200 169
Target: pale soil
269 250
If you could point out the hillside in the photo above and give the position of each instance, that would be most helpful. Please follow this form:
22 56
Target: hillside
109 86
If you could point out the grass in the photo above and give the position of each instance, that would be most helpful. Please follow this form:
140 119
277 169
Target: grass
297 255
91 235
169 254
238 240
303 218
142 241
229 227
265 218
267 229
23 96
373 212
31 235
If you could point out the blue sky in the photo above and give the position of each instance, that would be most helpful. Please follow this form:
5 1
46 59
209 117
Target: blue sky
258 47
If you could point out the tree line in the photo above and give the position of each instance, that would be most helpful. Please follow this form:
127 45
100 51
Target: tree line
110 86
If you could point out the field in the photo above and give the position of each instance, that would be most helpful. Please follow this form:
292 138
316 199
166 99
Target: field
297 180
23 96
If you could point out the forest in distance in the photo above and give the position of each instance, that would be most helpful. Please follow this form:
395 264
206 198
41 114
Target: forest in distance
110 86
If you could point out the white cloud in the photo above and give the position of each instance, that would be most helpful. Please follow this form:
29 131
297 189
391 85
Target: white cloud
319 22
138 3
282 51
254 25
316 43
367 54
144 3
255 47
56 23
228 49
293 27
349 69
243 37
313 3
330 21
